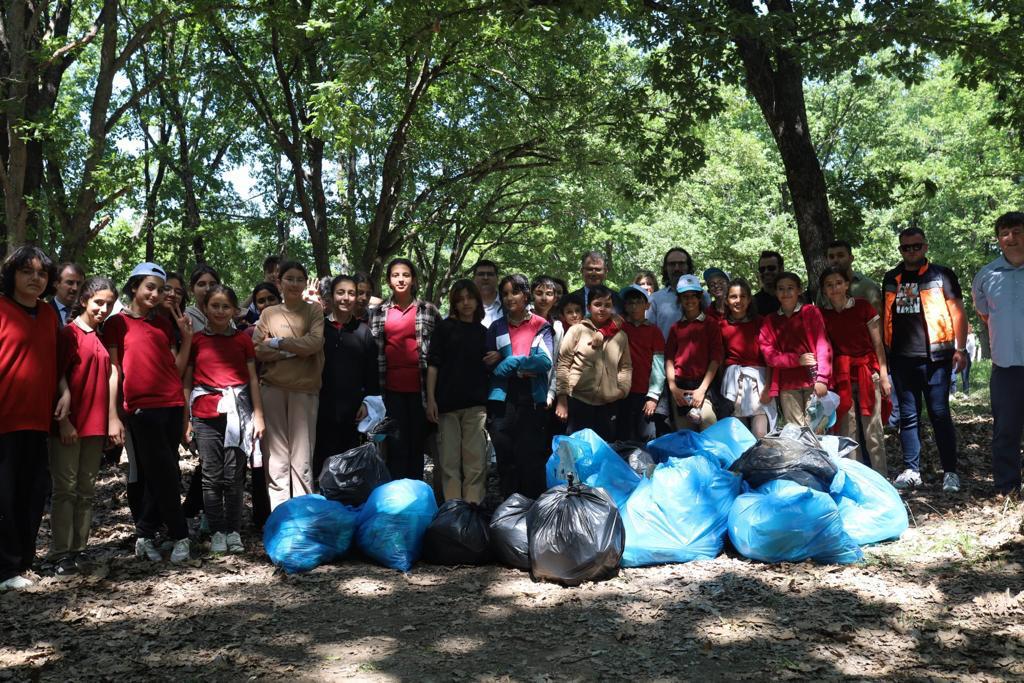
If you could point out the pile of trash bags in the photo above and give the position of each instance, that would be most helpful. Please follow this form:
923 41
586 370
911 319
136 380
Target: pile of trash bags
787 497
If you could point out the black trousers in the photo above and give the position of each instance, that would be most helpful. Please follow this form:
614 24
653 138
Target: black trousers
630 422
156 433
405 449
24 482
586 416
260 497
223 475
518 429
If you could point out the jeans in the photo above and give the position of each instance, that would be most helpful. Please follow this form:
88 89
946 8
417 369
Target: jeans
915 378
223 475
24 480
155 435
1006 390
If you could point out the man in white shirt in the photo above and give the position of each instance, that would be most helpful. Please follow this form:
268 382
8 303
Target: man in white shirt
664 309
485 277
70 277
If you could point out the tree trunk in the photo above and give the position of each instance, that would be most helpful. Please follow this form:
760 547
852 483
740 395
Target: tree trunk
775 79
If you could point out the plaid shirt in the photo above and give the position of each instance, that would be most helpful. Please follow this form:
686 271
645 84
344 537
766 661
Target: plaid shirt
427 317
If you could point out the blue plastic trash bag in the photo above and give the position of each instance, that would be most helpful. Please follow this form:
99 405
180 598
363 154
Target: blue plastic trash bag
684 443
783 521
591 461
307 531
870 507
680 514
732 433
393 522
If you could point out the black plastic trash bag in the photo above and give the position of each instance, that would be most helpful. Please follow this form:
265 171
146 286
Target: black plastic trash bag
509 540
576 535
792 453
458 534
634 453
350 477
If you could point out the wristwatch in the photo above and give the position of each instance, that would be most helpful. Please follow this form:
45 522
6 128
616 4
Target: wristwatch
961 350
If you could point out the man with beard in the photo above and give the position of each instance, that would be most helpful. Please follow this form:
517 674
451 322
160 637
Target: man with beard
925 333
664 309
769 267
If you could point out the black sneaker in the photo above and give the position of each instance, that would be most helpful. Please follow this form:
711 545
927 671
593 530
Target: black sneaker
68 566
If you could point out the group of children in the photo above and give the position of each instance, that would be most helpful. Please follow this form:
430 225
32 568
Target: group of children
278 384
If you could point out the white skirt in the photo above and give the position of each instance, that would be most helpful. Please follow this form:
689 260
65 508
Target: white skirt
743 385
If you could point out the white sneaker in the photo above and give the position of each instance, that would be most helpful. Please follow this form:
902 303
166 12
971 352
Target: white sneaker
219 543
235 545
951 482
182 551
908 479
16 583
144 547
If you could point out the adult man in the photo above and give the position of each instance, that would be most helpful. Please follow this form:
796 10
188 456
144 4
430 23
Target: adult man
664 309
769 267
840 255
485 277
70 278
925 332
594 269
999 300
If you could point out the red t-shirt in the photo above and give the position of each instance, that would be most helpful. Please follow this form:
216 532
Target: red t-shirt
28 366
88 373
693 345
740 341
848 329
645 340
219 361
150 376
521 336
401 351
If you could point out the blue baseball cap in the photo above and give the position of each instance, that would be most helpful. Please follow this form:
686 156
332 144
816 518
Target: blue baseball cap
688 283
715 272
147 269
635 288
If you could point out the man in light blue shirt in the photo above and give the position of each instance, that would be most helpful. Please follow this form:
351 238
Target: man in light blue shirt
999 300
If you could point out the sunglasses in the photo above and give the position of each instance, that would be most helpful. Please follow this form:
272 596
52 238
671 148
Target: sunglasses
907 248
767 269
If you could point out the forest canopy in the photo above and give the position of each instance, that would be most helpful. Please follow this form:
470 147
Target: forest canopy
345 133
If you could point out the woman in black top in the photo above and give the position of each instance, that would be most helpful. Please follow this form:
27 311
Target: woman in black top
349 376
457 384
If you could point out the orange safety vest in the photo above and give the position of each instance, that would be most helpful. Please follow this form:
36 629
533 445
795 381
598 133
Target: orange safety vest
938 323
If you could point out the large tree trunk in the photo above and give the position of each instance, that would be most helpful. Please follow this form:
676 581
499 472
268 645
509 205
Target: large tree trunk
775 79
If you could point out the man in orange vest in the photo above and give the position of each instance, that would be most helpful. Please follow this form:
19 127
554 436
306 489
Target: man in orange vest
925 336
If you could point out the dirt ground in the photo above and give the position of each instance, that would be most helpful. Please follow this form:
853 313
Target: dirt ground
944 602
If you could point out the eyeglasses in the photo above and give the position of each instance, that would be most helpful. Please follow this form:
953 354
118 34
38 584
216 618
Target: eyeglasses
673 264
767 269
907 248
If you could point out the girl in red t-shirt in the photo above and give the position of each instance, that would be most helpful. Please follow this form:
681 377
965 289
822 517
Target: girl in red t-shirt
860 375
227 414
794 343
142 348
746 381
76 454
28 366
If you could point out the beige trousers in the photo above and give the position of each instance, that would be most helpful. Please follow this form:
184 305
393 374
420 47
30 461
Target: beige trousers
288 442
462 445
793 404
73 470
873 443
682 421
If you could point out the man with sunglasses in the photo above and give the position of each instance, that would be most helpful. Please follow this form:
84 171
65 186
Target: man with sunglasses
769 267
998 295
925 333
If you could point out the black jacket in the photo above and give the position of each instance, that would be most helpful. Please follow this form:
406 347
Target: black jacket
350 370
